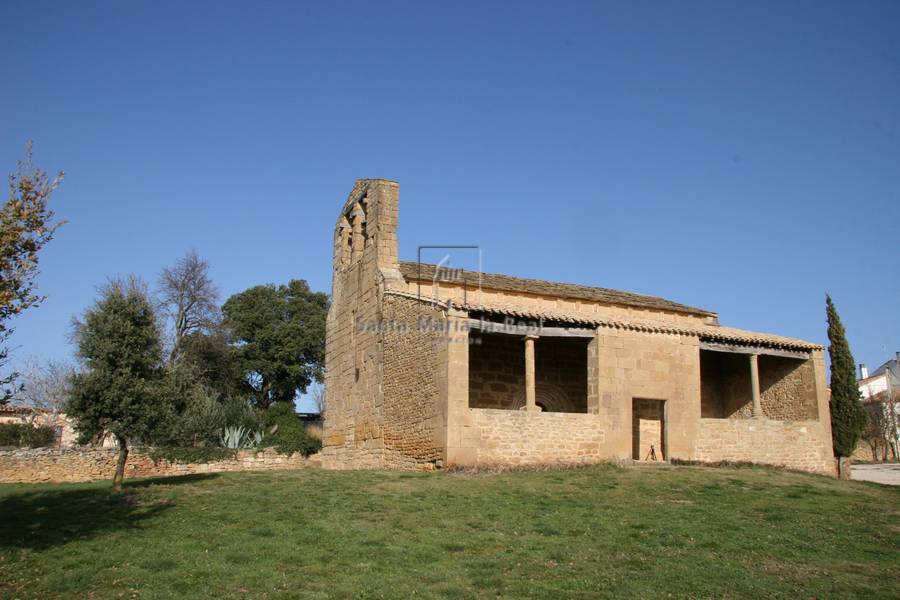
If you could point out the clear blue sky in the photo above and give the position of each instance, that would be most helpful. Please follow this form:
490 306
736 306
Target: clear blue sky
743 157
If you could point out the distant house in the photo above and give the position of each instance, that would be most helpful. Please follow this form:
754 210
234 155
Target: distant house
882 380
62 426
11 413
883 386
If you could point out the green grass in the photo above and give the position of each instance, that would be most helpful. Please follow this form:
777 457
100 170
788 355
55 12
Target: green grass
586 533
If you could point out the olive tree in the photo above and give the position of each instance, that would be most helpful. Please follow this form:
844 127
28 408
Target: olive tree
119 390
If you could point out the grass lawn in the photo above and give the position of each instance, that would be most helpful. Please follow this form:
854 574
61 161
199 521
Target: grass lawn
594 532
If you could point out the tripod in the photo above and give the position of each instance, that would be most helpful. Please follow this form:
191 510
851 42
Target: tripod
652 454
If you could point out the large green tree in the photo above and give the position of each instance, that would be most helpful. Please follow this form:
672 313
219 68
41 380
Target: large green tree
848 417
120 390
278 337
26 226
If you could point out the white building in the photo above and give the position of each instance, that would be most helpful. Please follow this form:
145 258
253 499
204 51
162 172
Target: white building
880 386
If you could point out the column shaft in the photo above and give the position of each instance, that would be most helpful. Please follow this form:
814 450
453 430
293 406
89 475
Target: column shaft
530 397
754 385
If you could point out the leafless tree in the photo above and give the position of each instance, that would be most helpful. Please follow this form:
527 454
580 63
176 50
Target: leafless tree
45 385
881 425
189 299
876 427
892 420
317 393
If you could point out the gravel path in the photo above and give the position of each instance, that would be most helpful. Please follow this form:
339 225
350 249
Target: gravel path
888 473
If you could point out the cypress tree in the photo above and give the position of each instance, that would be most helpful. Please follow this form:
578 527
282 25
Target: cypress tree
848 417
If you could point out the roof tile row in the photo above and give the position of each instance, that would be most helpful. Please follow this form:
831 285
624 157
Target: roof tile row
705 332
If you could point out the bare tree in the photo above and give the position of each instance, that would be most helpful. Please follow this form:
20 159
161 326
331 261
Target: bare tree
189 299
877 426
45 385
317 393
881 424
892 420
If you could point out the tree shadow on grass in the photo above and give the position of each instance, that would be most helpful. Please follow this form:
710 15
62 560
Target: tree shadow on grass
171 480
38 520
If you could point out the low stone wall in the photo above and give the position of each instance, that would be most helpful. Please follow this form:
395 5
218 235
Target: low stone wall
512 437
88 464
863 452
791 444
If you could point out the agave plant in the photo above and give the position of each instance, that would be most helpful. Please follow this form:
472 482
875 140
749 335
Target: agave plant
238 438
254 439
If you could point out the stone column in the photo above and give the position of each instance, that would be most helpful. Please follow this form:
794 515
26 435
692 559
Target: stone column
754 386
456 426
530 405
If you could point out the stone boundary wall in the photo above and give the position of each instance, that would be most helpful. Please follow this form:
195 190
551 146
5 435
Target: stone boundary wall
791 444
513 437
863 452
43 465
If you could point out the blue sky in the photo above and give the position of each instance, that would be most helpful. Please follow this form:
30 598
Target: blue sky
742 157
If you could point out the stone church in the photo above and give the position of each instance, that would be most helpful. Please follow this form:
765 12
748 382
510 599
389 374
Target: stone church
432 368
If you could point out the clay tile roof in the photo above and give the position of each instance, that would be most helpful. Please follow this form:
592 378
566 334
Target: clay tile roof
715 333
742 336
507 283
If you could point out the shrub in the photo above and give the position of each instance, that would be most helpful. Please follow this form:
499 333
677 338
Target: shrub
198 455
200 421
239 413
198 416
38 437
23 435
9 434
289 434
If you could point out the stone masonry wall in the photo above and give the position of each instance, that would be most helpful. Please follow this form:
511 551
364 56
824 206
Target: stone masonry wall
725 391
513 437
75 464
787 389
365 254
635 365
412 363
496 371
561 374
795 445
